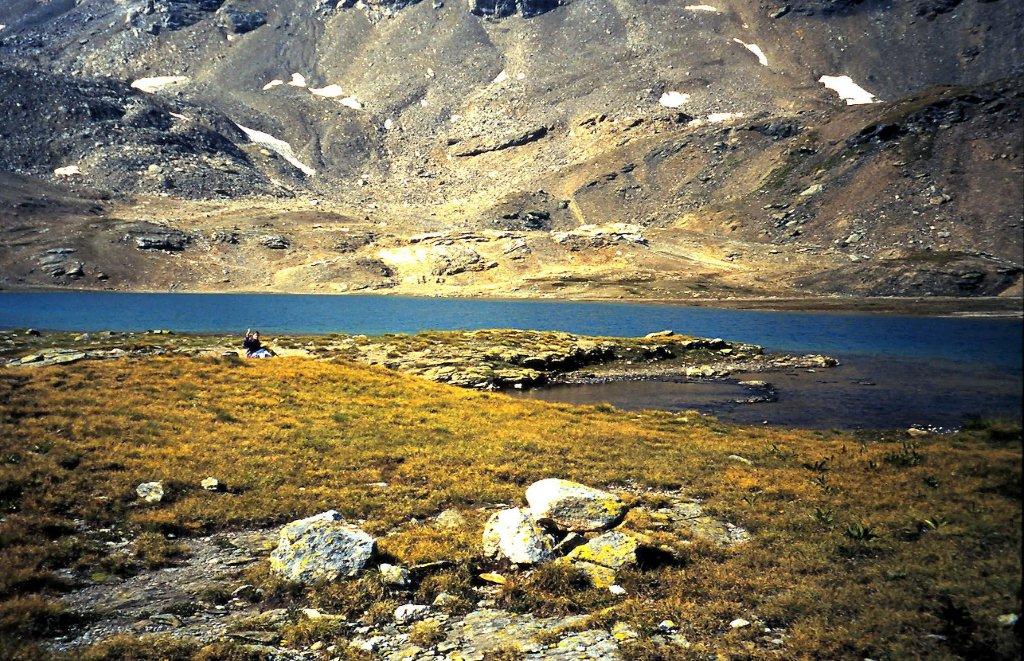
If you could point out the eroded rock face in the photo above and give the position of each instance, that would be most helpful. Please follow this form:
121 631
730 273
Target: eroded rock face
321 547
599 236
574 507
514 535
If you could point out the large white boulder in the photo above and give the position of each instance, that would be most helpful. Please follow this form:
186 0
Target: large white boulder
574 506
321 547
513 534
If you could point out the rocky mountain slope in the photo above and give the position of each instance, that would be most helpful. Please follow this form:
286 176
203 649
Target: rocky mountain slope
533 147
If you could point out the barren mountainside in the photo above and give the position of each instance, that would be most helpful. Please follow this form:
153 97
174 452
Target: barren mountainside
598 148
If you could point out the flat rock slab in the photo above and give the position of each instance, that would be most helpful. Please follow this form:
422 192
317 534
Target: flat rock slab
129 605
489 630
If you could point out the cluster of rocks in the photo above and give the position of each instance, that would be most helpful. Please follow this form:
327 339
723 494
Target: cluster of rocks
583 528
562 522
553 526
58 263
166 239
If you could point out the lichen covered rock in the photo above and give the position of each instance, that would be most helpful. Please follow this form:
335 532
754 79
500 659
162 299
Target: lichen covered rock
574 507
151 492
321 547
514 535
602 556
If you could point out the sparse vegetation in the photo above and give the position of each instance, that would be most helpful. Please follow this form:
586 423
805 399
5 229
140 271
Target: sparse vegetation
827 545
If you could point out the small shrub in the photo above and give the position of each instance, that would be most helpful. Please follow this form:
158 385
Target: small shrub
860 532
819 466
552 589
426 633
826 516
307 631
32 615
145 648
906 457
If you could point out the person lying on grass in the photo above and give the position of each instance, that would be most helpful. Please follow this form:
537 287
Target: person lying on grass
253 347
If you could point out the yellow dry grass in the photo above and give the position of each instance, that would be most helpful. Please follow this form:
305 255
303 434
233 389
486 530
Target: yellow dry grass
859 547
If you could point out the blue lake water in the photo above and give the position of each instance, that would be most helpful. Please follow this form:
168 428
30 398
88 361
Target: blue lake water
976 340
895 371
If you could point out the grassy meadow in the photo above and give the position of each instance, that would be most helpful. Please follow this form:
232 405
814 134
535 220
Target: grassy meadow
862 545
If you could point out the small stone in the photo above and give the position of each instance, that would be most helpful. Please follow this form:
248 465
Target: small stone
623 632
739 623
617 590
916 432
211 484
667 625
394 575
166 619
246 592
151 492
491 577
741 460
450 518
408 613
444 600
1008 620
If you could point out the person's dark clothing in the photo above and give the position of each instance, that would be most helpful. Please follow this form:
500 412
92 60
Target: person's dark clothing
251 344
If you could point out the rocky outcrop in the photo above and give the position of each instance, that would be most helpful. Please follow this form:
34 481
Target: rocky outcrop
505 8
574 507
154 16
600 236
238 20
489 143
171 240
321 547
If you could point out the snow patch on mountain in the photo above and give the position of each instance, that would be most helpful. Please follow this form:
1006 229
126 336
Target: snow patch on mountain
848 90
756 50
276 145
673 99
159 83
